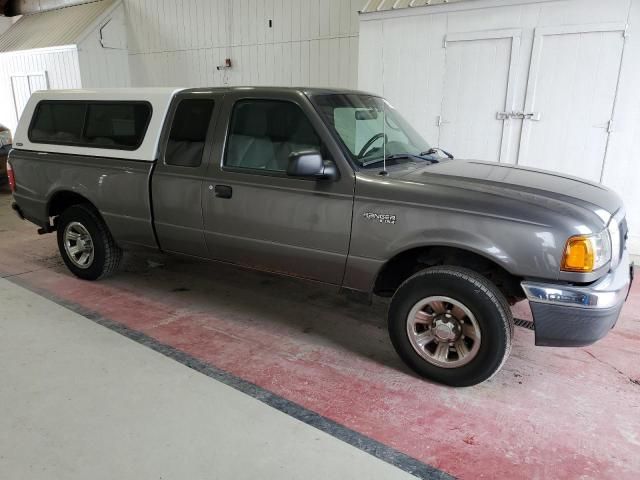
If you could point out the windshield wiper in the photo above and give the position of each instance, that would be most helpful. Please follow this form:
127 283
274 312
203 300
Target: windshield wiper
398 156
434 150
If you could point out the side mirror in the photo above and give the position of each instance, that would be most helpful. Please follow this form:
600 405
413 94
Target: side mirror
309 164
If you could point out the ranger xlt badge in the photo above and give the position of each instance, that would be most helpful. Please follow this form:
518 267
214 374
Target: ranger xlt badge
381 217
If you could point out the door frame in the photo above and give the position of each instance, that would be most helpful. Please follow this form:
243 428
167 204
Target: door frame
534 70
256 246
28 76
164 225
515 34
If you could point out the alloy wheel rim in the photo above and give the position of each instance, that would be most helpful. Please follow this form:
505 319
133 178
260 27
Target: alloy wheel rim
444 332
79 245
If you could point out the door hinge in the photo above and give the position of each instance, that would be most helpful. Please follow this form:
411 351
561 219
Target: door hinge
610 126
625 33
439 121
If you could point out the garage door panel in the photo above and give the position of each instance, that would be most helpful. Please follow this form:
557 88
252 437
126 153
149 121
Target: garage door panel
573 83
477 86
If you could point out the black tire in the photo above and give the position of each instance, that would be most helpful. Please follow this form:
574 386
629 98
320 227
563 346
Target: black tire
106 254
488 305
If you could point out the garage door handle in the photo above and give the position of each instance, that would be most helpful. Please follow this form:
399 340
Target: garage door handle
223 191
534 116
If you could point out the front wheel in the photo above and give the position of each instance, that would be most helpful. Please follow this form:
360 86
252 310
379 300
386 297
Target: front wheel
451 325
85 243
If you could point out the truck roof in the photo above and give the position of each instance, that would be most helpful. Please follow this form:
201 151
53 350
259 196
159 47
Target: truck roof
158 97
166 93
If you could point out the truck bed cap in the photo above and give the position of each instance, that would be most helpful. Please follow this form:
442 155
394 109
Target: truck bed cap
158 98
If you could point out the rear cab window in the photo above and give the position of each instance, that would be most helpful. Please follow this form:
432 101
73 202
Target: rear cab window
188 134
118 125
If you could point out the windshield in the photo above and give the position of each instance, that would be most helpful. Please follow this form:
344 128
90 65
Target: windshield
370 128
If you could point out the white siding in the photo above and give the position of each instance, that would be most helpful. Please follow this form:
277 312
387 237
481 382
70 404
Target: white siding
61 66
180 42
402 56
107 64
87 64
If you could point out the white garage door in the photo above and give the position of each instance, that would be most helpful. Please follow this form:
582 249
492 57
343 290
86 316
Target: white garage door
478 84
572 88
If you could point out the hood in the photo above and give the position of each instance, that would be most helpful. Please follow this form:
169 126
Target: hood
496 178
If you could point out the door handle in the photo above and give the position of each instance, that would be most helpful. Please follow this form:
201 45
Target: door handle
223 191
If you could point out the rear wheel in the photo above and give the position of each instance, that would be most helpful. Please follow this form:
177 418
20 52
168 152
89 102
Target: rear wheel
85 243
451 325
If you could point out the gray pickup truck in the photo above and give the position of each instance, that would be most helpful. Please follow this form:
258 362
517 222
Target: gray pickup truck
332 186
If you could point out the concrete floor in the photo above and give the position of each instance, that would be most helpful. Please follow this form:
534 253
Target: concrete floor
81 401
299 347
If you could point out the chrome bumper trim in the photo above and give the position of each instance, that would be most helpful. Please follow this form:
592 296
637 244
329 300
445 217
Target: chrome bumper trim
608 292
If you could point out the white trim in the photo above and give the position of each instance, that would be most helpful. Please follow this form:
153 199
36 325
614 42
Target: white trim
39 72
31 51
444 8
483 35
582 28
159 98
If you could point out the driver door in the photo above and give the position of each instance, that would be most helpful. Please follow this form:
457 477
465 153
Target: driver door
257 216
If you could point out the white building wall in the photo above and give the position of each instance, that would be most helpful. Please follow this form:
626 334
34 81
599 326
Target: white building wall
402 56
103 54
180 42
60 64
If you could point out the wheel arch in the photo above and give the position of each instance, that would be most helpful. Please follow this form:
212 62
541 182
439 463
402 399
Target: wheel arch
62 199
408 262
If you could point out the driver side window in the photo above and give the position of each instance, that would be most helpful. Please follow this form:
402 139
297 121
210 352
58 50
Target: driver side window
263 133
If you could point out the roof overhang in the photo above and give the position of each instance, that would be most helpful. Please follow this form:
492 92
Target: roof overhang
53 28
11 8
384 9
382 5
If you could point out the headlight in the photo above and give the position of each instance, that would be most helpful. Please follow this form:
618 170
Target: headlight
614 237
586 253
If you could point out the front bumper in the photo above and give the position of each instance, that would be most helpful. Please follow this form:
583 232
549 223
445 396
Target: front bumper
573 316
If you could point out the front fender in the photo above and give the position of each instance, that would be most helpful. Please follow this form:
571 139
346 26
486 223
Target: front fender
525 249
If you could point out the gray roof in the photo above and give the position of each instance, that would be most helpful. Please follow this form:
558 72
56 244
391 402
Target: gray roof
54 28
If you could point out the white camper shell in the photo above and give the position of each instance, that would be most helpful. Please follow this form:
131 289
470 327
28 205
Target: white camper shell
100 144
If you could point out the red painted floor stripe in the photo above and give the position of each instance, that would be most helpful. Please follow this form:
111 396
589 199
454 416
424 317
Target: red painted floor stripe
551 413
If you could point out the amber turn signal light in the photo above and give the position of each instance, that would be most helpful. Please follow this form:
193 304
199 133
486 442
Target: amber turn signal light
579 255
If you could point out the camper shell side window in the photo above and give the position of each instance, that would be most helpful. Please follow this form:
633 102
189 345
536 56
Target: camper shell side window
119 125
